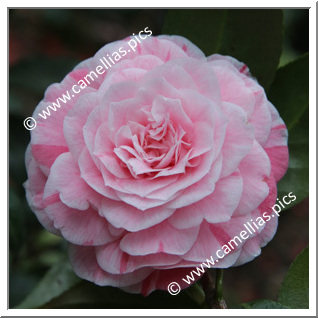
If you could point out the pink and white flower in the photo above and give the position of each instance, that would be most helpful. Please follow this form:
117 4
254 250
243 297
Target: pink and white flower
156 165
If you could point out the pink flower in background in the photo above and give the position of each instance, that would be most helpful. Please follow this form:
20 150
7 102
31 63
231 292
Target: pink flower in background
156 165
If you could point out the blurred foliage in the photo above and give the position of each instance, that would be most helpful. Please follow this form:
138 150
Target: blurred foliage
294 292
296 35
57 280
45 44
246 35
295 288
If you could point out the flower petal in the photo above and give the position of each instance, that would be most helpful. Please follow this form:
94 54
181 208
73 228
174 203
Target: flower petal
162 237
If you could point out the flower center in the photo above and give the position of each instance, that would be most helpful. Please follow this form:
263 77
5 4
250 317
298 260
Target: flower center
156 147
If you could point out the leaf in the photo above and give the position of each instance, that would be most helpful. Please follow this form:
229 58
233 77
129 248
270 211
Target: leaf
195 26
251 36
89 295
294 291
263 304
255 38
58 279
290 95
290 90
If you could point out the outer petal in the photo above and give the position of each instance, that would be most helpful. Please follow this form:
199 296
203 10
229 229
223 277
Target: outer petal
252 247
229 60
255 170
188 47
160 279
276 145
47 140
233 84
164 49
78 227
114 261
160 238
65 179
85 265
34 188
207 244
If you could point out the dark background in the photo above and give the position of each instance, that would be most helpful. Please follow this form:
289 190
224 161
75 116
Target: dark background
44 45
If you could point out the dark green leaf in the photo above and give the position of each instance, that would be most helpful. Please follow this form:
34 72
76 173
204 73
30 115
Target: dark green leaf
255 38
290 94
58 279
202 27
264 304
294 291
89 295
251 36
290 90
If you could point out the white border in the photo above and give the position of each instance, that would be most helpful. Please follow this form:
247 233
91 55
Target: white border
163 4
312 156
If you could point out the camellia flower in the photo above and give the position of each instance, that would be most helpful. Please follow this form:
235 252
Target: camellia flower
157 164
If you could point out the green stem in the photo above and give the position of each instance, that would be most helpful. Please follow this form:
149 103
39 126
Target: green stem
218 295
213 292
219 283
